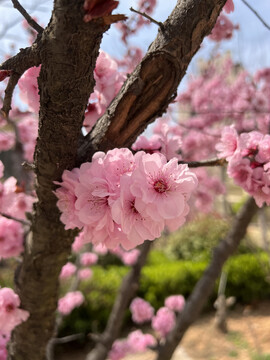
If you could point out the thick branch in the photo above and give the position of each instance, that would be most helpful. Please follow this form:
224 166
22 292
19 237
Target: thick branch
206 284
25 59
126 293
151 87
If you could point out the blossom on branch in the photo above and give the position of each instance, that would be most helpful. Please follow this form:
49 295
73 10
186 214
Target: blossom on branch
124 199
10 314
141 310
71 300
249 163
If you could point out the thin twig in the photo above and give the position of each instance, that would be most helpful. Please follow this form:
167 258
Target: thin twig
12 82
256 14
66 339
59 318
213 162
27 17
148 17
23 222
126 292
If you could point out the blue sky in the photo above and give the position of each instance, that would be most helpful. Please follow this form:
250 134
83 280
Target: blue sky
250 45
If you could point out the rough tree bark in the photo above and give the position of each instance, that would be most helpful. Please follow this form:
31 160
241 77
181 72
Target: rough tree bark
67 50
153 84
206 284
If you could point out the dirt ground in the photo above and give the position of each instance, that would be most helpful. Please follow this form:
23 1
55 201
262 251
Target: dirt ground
248 338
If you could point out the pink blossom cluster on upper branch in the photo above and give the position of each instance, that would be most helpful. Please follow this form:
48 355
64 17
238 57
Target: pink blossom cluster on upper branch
248 156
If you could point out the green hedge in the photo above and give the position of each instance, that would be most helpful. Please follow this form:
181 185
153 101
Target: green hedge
246 281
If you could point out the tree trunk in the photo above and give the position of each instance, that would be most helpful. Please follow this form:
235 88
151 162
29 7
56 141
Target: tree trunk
68 56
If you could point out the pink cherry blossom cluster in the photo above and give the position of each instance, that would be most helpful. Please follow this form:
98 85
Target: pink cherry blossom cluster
28 86
4 339
108 83
221 95
248 156
164 140
141 310
128 258
124 199
164 319
162 323
68 270
68 302
28 132
223 29
7 139
229 6
11 238
175 302
135 342
209 187
88 258
13 200
10 314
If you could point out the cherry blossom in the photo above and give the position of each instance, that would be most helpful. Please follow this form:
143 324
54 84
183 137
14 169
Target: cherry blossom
249 163
29 88
229 6
141 310
10 314
67 271
130 257
223 29
85 274
88 258
139 342
163 321
119 350
161 189
175 302
11 238
71 300
4 339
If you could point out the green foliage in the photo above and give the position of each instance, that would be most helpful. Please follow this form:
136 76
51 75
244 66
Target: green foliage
196 239
100 293
157 257
261 357
163 277
247 277
159 281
